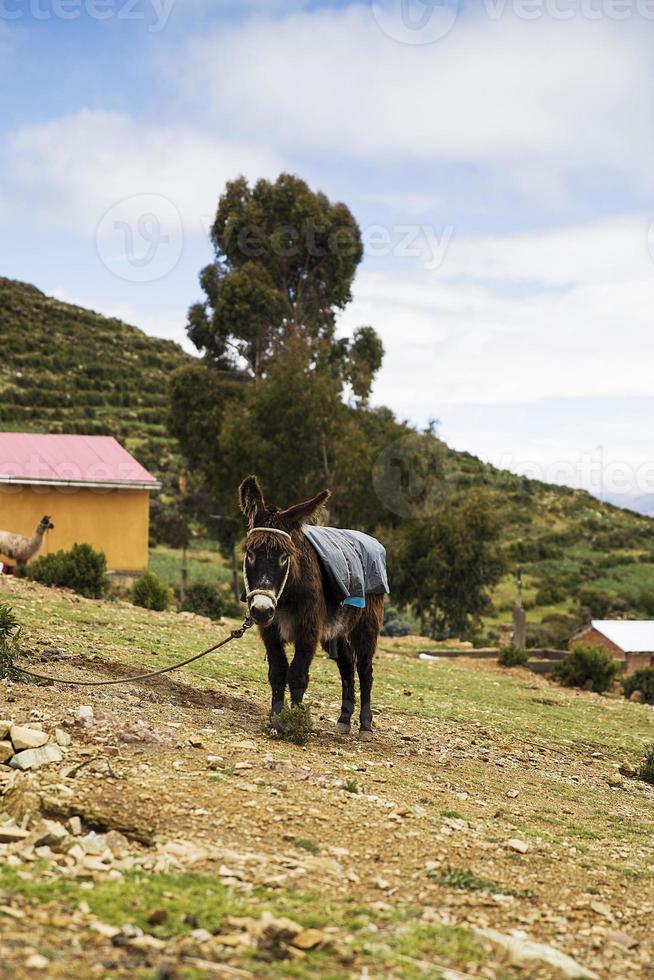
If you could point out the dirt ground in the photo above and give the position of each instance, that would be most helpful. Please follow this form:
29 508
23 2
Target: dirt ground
399 832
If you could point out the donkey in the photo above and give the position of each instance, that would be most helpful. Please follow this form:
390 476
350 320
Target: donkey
289 599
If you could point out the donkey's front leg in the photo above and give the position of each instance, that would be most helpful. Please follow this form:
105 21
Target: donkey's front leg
298 672
277 666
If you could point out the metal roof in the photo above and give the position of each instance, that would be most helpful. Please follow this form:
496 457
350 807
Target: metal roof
70 461
631 635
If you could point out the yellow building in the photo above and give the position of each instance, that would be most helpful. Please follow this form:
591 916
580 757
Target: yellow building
92 490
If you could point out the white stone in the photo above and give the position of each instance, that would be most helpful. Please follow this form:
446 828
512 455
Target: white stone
518 845
523 952
9 834
6 751
62 738
84 711
33 758
27 738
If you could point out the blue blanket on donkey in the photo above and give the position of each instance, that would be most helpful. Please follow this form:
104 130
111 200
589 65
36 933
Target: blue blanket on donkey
354 563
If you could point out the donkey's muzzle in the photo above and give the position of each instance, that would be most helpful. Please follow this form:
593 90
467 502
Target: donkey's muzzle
262 609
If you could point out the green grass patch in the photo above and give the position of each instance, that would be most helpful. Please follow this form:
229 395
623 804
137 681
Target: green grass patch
307 845
467 880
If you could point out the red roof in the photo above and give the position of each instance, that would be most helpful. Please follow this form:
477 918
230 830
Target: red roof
65 460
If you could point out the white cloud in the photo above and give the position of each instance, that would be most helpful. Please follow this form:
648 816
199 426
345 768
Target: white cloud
71 170
544 97
451 340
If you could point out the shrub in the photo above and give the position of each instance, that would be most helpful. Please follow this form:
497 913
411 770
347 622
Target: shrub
150 592
513 656
550 595
292 724
586 664
596 600
82 569
646 770
9 631
204 599
641 680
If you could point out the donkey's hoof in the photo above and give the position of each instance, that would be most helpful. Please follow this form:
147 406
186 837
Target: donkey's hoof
365 735
343 727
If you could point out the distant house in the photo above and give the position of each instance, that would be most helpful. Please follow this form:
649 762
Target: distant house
91 487
631 641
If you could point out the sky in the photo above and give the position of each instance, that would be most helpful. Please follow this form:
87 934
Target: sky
497 156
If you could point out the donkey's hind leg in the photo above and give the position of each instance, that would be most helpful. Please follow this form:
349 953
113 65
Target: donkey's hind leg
364 640
345 663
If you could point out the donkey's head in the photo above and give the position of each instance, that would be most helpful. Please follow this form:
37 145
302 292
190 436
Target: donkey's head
271 548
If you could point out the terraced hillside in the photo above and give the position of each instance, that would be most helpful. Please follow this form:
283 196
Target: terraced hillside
67 369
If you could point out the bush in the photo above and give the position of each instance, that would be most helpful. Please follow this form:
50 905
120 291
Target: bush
550 595
292 724
82 569
586 664
513 656
641 680
596 600
150 592
646 770
9 632
204 599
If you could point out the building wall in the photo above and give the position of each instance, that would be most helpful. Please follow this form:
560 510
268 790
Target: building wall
630 661
637 660
113 521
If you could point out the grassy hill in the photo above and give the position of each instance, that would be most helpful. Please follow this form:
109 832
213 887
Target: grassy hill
67 369
488 799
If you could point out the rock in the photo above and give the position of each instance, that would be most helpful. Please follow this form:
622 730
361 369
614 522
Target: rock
525 953
51 832
33 758
621 939
9 834
308 939
4 728
615 780
62 738
512 793
27 738
281 929
6 751
601 908
157 916
637 697
75 826
515 844
37 962
626 769
84 712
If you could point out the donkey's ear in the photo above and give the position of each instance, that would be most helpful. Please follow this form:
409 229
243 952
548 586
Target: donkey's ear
251 498
305 513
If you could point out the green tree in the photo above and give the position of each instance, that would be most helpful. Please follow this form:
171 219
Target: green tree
285 258
444 564
284 262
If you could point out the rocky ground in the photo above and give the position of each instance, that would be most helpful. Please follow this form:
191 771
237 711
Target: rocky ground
487 830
